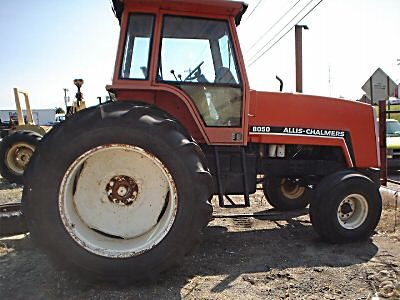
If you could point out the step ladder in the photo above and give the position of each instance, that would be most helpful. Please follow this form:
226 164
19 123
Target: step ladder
222 196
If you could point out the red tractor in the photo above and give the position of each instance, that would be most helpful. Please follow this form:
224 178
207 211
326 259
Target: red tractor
122 190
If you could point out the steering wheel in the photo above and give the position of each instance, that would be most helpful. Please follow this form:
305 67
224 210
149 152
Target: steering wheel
196 73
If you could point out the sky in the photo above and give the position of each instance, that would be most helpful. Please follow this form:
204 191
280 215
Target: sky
45 44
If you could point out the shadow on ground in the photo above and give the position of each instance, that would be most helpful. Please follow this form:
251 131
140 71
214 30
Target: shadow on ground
5 185
289 243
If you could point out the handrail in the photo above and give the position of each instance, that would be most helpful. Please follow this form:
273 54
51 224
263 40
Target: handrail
20 115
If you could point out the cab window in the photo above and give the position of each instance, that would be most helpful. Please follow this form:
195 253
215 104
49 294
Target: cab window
197 56
135 62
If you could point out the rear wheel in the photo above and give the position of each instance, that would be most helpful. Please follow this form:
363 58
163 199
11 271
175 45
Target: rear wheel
347 207
129 195
285 193
16 151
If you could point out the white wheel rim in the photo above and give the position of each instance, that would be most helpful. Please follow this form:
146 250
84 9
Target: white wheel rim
290 190
352 211
18 156
102 222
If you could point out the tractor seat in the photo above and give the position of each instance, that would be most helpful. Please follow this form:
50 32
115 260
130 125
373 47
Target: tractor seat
224 75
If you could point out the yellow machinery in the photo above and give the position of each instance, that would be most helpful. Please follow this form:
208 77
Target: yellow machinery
19 141
29 123
22 135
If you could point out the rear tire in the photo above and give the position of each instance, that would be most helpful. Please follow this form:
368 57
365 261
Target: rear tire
283 194
347 207
16 151
132 232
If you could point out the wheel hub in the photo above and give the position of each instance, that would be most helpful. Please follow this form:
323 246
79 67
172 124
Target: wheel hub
352 211
18 157
346 209
122 190
23 156
291 189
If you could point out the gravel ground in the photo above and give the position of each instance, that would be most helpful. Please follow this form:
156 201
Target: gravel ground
267 255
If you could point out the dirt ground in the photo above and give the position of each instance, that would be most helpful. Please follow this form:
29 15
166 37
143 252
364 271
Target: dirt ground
267 255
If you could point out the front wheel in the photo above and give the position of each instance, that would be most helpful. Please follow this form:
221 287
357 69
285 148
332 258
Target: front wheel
125 199
346 207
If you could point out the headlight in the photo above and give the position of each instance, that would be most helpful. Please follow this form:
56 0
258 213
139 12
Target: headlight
389 153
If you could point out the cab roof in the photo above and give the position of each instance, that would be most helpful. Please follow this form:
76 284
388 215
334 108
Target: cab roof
221 7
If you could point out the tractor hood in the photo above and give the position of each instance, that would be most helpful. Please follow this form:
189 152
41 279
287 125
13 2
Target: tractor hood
223 7
317 118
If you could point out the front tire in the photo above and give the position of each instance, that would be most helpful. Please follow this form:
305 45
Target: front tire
347 207
16 151
128 194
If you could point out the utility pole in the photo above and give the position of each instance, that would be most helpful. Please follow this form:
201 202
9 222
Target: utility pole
299 56
66 98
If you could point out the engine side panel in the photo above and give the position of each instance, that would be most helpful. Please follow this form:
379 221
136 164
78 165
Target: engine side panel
280 118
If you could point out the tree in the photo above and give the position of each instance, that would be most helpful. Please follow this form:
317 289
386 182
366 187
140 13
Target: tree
59 110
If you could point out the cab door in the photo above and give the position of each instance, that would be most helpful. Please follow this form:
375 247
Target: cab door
198 57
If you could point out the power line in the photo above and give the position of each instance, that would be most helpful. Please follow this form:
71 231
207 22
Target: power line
273 25
262 54
254 9
315 6
280 31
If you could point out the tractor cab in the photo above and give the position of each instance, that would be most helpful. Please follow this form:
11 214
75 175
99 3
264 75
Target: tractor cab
194 56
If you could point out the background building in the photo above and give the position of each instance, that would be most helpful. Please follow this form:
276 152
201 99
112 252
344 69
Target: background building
40 116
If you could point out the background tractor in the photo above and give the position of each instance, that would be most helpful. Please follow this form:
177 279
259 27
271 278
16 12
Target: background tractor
20 137
122 191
